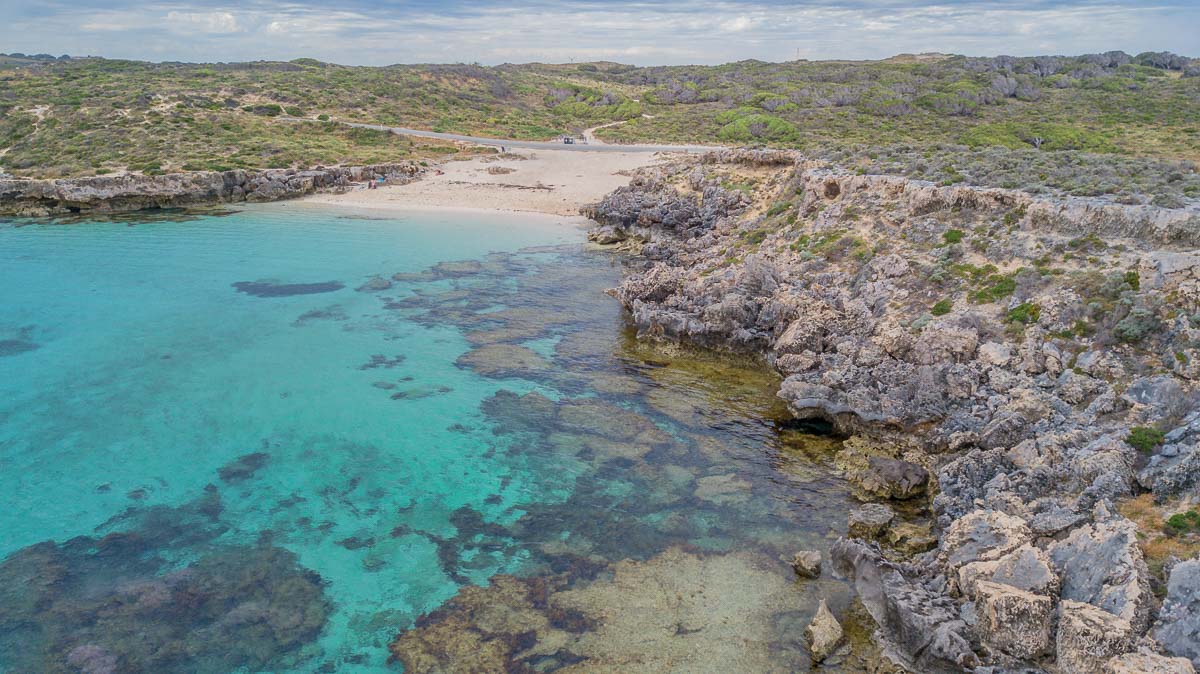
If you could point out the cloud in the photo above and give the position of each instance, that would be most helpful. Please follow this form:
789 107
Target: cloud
203 22
491 31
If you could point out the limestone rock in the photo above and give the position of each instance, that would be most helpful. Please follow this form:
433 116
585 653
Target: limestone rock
1178 628
123 193
1013 620
1088 637
983 535
869 520
807 563
1148 663
917 621
995 354
893 478
824 633
911 538
1102 564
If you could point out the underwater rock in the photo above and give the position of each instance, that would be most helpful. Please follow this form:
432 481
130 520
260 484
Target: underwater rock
457 268
331 313
270 289
504 361
243 467
114 605
722 489
674 612
374 284
13 347
379 361
824 633
420 392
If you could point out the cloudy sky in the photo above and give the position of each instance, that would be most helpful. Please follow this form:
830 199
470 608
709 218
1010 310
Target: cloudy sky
630 31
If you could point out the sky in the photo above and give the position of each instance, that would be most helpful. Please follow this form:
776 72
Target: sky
381 32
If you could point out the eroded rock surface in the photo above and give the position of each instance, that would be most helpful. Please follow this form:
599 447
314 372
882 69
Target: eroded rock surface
113 194
1007 360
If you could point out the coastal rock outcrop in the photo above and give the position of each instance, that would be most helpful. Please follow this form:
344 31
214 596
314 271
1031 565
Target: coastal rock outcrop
1027 362
130 192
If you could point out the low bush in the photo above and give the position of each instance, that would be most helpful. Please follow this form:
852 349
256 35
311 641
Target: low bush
1145 438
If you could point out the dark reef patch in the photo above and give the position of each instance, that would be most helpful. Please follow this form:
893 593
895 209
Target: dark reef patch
243 467
331 313
117 603
269 289
379 361
13 347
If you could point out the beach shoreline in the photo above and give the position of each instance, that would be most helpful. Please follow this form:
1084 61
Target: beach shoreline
548 182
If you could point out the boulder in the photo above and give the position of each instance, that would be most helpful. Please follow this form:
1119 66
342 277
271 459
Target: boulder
1178 628
1101 564
911 538
824 633
995 354
1088 637
1013 620
892 478
1027 568
982 535
807 563
919 623
870 520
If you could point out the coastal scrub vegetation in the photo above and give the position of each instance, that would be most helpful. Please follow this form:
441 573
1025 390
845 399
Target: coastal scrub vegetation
1110 125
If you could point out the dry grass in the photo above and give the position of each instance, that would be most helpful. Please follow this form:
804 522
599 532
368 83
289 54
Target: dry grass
1156 545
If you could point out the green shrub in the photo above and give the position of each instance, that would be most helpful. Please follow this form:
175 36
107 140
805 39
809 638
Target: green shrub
942 307
778 208
1183 523
1025 313
1145 438
757 127
1038 135
1139 324
953 236
998 287
1133 279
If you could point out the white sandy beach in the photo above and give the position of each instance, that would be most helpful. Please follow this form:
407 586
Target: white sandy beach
540 181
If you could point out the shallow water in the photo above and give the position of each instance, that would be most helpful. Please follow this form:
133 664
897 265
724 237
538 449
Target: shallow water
222 452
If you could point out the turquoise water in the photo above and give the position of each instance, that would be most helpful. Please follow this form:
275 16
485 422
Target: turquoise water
222 451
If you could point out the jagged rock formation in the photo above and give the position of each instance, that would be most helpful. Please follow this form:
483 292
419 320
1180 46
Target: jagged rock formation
1016 353
113 194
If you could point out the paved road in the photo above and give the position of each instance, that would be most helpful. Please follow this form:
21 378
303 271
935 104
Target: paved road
527 144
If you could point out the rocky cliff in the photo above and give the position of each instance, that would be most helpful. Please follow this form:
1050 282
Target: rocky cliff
1017 370
112 194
